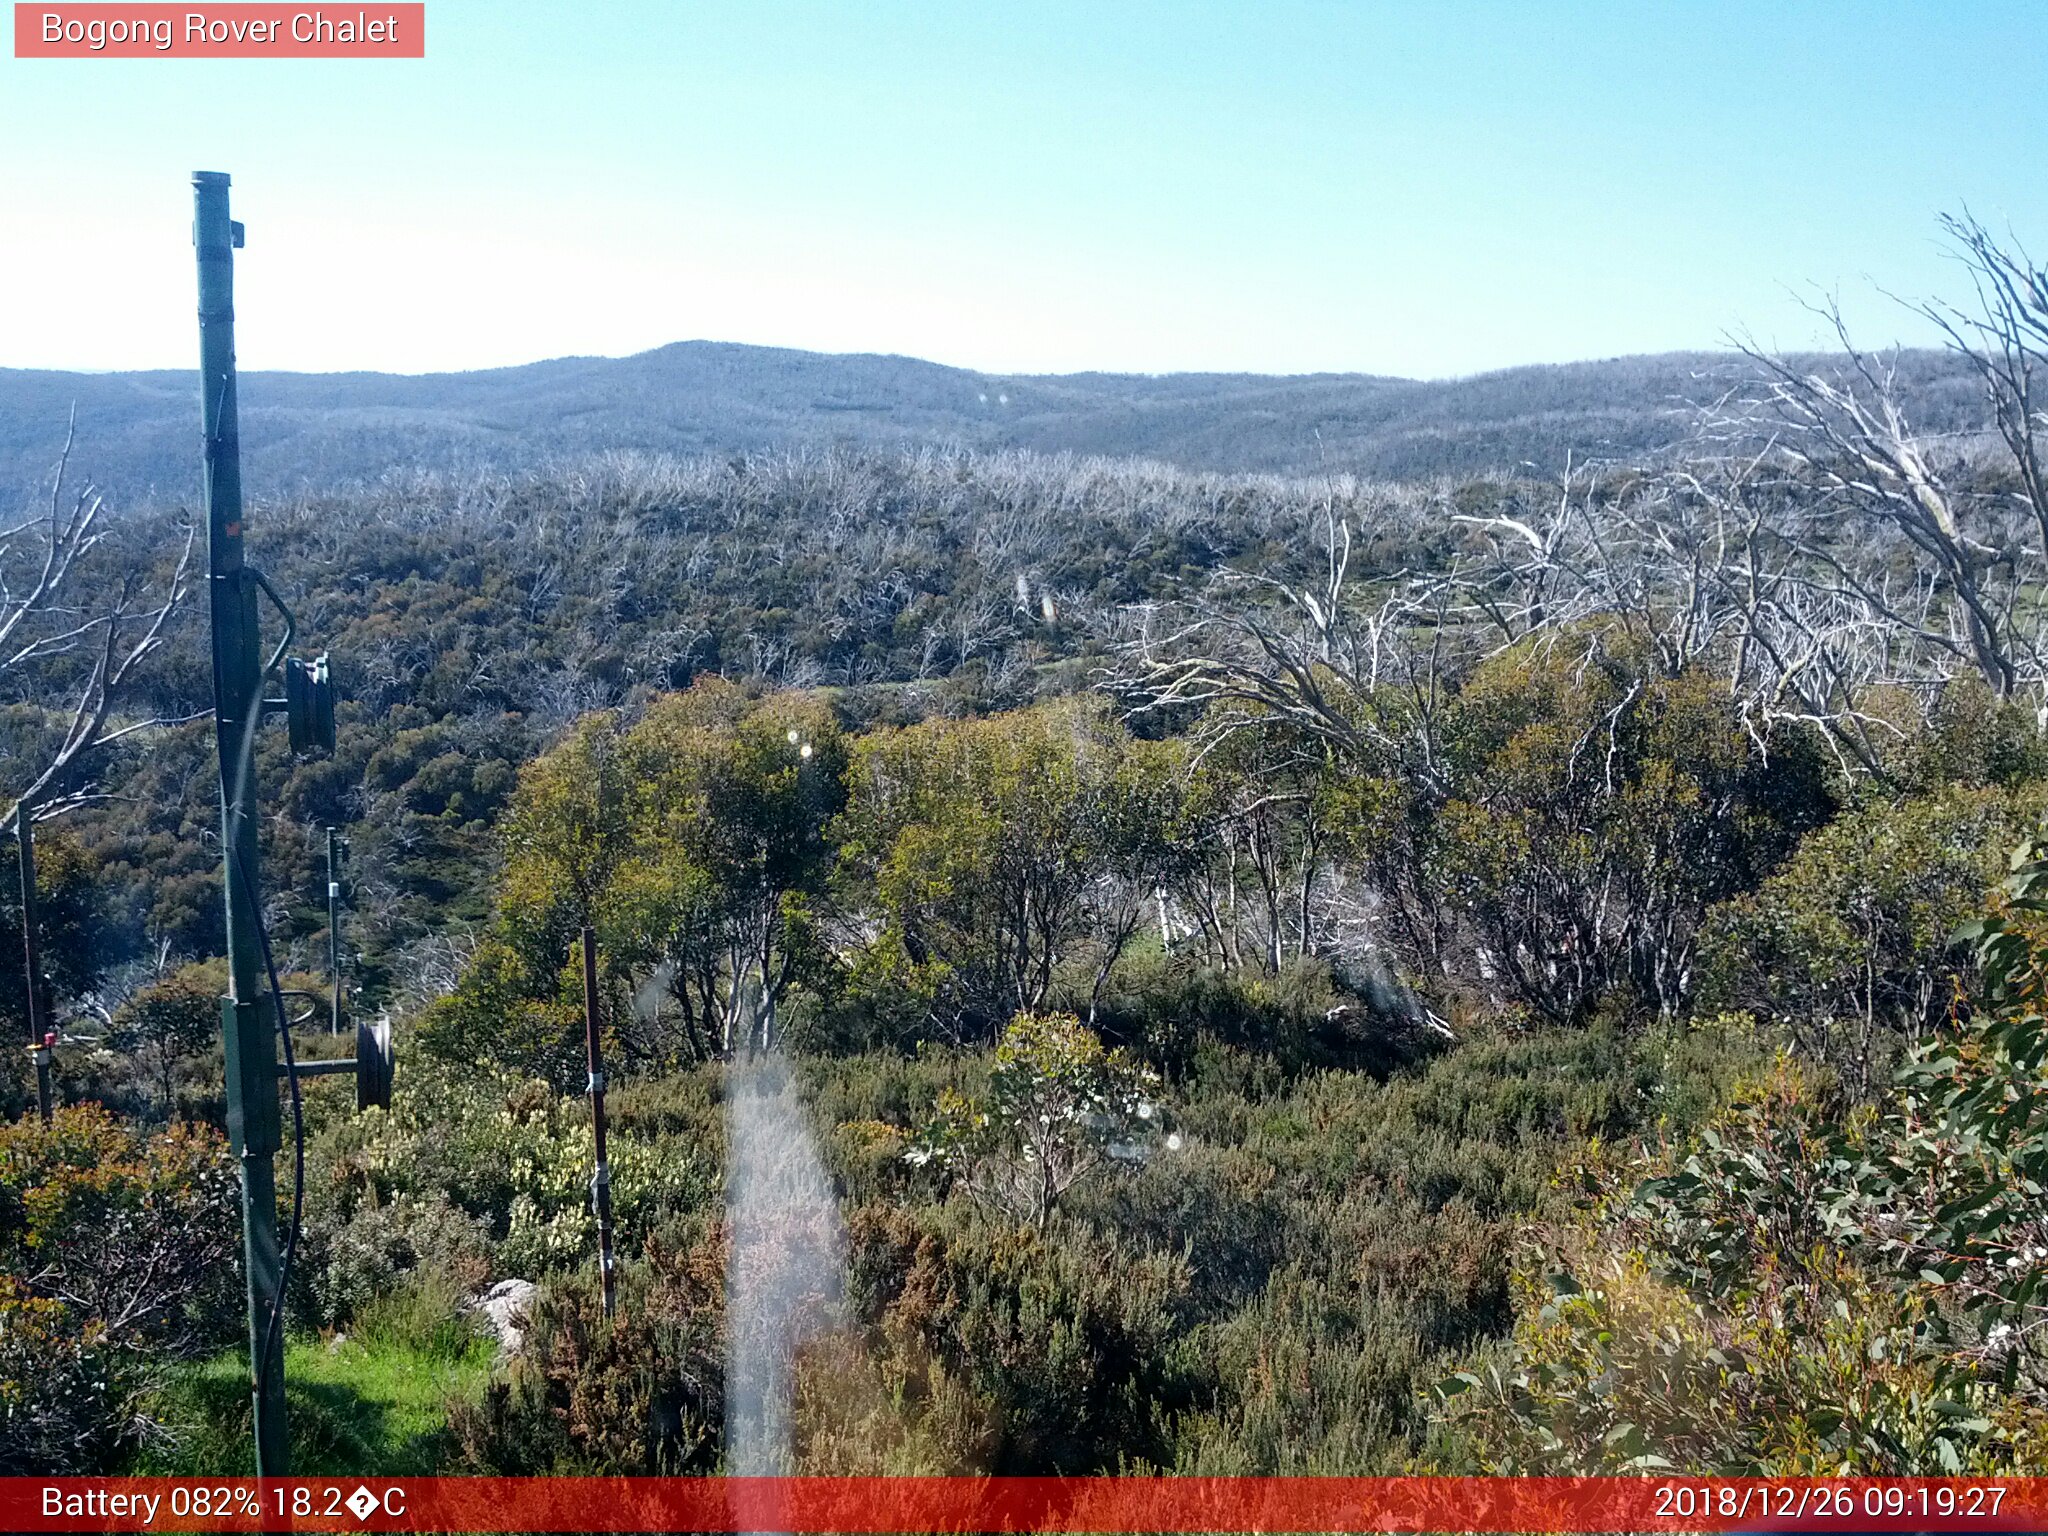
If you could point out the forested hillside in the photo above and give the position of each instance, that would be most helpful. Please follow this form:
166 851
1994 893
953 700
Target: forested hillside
328 430
1311 973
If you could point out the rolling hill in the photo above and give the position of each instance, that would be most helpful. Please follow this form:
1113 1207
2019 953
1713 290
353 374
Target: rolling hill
136 430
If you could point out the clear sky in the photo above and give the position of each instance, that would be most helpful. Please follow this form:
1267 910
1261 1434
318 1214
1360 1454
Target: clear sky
1428 188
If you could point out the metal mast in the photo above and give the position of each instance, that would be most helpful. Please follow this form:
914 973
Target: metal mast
601 1180
334 847
248 1024
40 1036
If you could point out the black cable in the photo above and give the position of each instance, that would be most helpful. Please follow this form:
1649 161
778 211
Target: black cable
245 761
271 1339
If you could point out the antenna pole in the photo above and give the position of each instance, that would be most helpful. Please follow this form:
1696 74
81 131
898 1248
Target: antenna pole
248 1030
601 1180
334 927
40 1038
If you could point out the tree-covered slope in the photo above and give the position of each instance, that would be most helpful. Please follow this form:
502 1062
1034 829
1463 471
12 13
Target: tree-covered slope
326 430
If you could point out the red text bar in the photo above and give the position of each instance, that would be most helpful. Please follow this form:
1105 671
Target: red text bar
872 1506
102 31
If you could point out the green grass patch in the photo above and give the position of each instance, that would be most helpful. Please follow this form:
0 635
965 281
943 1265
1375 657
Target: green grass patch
367 1403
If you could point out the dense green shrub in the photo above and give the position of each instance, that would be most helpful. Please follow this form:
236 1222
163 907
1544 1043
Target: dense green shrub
346 1264
1722 1319
68 1391
135 1229
639 1393
1970 739
509 1152
1597 807
684 1109
117 1258
1808 1286
1352 1229
1849 944
1044 1351
1299 1018
1313 1377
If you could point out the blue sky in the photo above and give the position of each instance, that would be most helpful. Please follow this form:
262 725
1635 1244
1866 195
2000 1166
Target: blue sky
1422 189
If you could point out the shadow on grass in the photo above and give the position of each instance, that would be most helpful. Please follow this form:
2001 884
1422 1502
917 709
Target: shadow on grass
350 1410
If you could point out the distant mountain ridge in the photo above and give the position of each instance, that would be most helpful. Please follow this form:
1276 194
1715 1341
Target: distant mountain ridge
137 431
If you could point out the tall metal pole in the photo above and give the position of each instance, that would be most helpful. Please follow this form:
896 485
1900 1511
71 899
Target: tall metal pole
334 928
39 1040
601 1180
248 1026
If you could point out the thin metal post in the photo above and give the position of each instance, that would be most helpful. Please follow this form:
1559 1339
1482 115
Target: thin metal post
39 1035
248 1029
601 1180
334 928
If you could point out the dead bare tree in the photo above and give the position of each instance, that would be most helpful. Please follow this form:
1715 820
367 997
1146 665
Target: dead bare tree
2005 340
68 627
1541 570
1858 468
46 620
1337 669
1807 625
1317 654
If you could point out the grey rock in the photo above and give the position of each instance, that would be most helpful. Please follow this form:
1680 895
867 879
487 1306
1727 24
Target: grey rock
505 1305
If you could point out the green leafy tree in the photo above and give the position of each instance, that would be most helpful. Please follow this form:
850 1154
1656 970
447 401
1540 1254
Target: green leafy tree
512 1014
1599 807
1059 1111
994 849
74 924
170 1022
565 837
720 896
694 843
1850 943
568 832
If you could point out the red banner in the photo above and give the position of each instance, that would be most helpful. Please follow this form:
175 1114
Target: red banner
1101 1504
102 31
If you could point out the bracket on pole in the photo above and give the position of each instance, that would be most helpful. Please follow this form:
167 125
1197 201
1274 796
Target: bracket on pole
309 704
372 1065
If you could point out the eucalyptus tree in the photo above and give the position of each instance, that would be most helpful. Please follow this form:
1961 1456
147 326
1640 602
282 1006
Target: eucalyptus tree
990 853
692 842
731 799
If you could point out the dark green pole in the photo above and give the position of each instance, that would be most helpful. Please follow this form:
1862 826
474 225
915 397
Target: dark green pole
249 1031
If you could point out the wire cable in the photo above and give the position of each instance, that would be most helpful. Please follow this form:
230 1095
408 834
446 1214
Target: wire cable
272 1339
245 763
